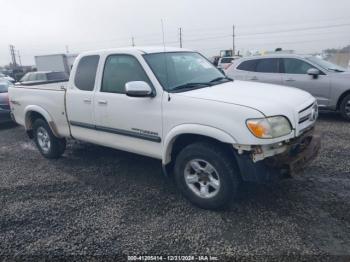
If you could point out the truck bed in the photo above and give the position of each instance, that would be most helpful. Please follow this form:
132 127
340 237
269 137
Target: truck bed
47 99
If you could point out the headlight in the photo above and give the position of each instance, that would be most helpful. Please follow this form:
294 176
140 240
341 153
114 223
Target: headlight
269 127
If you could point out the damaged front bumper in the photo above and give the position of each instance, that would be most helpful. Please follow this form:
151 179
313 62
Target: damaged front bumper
298 153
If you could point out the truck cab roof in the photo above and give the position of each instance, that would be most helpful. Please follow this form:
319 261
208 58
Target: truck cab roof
137 50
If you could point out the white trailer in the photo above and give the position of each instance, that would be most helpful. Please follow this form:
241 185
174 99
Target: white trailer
55 62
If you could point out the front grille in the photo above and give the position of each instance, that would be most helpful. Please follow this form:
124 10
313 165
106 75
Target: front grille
307 117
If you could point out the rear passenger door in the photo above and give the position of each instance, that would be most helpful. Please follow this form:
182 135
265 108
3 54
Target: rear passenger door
267 70
80 98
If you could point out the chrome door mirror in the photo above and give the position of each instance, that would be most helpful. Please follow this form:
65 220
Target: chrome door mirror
138 89
313 72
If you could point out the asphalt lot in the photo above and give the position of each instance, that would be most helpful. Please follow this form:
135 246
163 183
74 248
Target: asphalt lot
98 201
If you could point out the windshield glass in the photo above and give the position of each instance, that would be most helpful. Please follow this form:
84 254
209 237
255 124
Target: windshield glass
57 76
180 68
325 64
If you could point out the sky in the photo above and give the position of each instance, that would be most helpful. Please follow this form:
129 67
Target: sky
39 27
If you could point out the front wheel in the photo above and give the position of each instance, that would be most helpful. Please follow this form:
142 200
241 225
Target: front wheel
345 107
49 146
206 175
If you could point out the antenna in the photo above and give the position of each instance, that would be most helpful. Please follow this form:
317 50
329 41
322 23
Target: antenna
163 34
164 55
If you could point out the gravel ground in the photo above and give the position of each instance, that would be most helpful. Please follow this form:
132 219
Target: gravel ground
101 202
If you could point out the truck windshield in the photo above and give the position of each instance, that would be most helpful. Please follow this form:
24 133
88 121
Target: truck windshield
183 69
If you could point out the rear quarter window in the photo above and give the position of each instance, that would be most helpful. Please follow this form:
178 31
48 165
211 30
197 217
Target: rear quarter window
248 65
85 74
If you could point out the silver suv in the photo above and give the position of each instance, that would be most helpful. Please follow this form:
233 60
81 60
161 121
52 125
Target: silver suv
329 83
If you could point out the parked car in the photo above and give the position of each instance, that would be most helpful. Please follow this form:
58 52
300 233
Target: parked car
214 60
225 62
4 101
329 83
33 78
175 106
6 77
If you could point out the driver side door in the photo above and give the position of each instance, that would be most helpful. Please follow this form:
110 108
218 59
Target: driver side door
128 123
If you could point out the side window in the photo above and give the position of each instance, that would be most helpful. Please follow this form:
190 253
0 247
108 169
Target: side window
25 77
86 73
296 66
32 77
120 69
267 65
40 77
248 65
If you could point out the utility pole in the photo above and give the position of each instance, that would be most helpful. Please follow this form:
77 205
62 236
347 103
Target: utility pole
233 40
19 58
132 41
13 56
180 29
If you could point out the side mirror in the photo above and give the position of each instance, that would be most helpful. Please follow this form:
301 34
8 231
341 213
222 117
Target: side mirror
138 89
313 72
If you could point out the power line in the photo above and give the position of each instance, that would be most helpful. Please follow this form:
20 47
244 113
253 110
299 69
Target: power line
233 40
13 55
19 58
296 29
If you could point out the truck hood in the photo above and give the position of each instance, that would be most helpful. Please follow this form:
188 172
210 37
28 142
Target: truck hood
269 99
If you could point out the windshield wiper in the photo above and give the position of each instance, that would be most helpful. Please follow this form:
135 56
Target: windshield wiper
336 70
190 86
221 78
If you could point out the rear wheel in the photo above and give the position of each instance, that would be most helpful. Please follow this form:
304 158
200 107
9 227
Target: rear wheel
206 175
345 107
49 146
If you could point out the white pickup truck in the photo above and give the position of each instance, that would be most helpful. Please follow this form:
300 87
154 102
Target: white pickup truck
209 131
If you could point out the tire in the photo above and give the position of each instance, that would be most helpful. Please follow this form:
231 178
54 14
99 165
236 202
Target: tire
49 146
345 107
223 173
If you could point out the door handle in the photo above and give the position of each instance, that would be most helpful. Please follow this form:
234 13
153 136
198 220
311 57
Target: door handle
102 102
254 78
290 80
87 100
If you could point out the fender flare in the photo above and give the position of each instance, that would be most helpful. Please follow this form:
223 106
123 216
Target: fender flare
44 113
193 129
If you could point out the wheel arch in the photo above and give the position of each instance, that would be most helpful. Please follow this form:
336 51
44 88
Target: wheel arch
34 112
340 99
182 135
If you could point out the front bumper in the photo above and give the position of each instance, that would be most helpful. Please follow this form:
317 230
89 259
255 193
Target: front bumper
299 153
